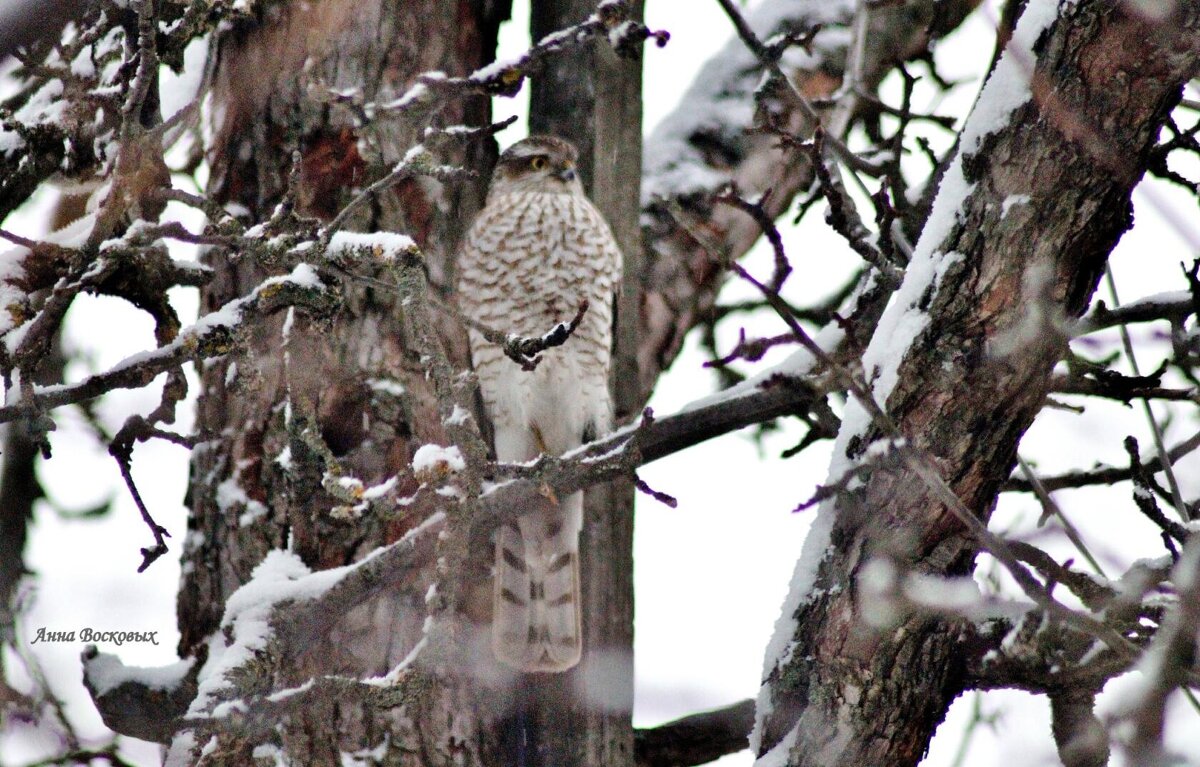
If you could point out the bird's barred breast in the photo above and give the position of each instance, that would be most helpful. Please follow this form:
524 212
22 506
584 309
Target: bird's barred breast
531 258
527 263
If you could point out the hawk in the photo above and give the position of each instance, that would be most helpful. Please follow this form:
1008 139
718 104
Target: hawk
537 250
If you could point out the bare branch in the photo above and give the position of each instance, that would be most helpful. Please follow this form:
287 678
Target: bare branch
122 449
1122 390
1143 496
1079 735
1175 307
525 351
696 739
504 78
213 335
1106 476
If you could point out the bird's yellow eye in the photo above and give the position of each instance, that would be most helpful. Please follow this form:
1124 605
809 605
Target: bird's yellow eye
538 163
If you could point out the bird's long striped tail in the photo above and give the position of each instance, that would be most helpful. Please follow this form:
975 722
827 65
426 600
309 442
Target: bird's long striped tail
536 621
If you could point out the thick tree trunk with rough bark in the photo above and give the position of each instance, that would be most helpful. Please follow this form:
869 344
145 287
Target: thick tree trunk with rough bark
357 381
1104 80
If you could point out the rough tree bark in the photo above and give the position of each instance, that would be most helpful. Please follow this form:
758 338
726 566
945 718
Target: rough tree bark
19 491
355 382
846 692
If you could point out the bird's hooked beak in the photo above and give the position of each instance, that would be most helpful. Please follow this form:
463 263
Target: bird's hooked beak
566 174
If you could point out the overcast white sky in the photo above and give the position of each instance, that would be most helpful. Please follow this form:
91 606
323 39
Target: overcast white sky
710 575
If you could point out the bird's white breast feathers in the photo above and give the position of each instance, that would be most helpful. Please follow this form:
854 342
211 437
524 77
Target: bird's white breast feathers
527 263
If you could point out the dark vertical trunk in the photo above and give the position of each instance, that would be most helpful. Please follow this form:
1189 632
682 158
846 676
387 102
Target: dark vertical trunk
19 491
584 716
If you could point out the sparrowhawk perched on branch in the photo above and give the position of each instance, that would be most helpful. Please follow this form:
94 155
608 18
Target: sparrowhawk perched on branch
536 251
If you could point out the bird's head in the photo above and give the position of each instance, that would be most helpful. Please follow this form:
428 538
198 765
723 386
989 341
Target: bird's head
537 164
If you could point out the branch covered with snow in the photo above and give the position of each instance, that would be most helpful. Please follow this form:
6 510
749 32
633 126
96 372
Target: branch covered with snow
946 378
214 334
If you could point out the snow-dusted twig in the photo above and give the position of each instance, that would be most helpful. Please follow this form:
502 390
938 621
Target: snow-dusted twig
525 351
213 335
1169 663
1175 306
1144 489
418 162
504 78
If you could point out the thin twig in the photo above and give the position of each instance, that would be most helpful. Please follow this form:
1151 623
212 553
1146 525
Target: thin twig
1105 476
122 450
1051 507
1172 481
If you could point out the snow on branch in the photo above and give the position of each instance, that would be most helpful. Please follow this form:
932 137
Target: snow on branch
274 617
1169 663
214 334
70 105
1175 306
684 153
141 702
611 20
1007 88
268 623
923 329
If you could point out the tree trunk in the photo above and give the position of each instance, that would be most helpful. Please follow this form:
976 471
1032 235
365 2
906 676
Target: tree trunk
842 690
257 483
585 715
